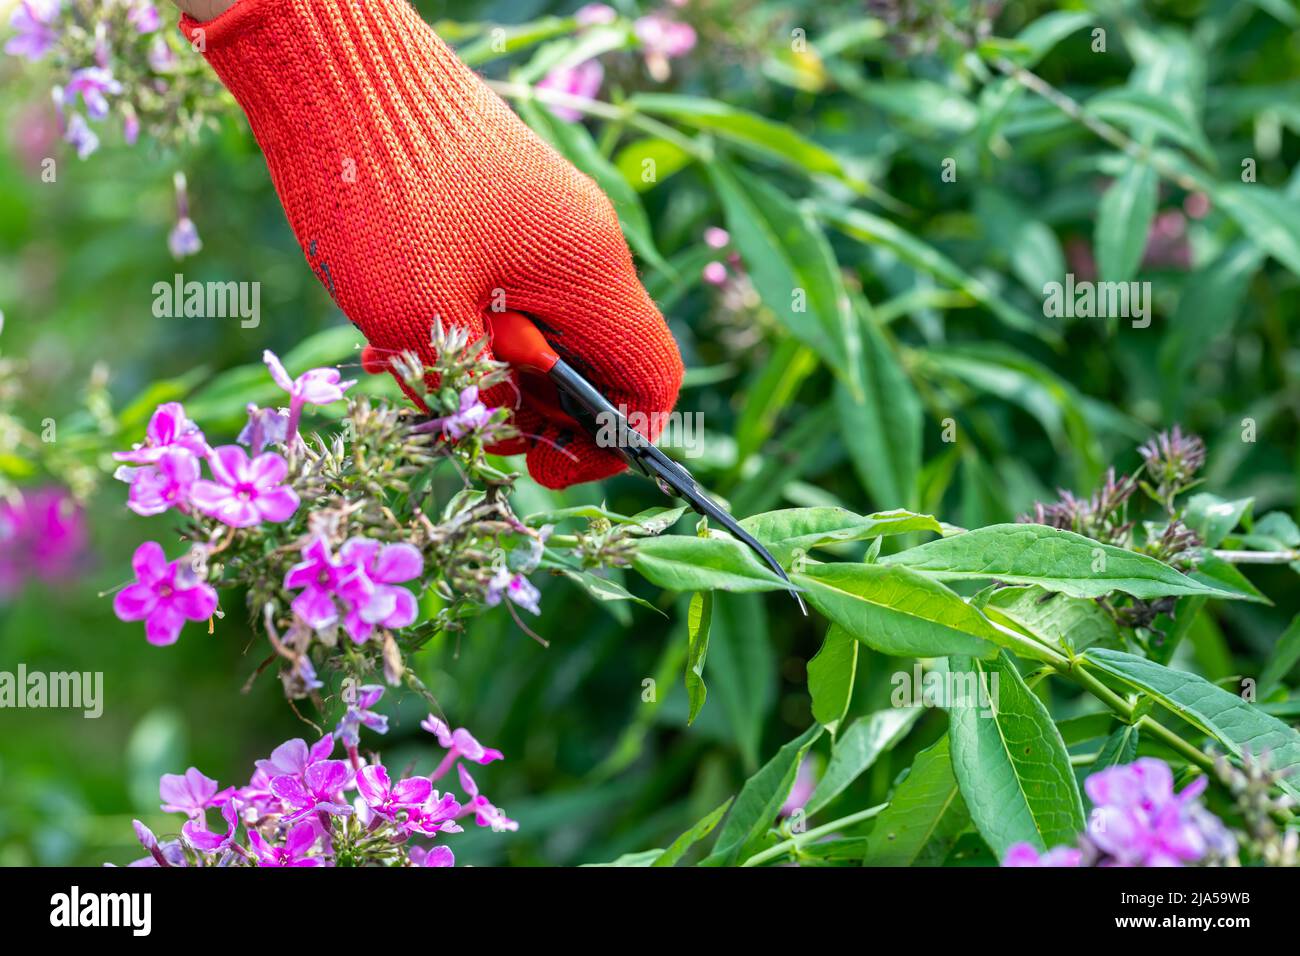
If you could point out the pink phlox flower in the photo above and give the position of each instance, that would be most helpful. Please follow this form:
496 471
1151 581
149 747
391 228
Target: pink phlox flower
581 81
164 595
386 604
166 484
359 714
94 84
298 843
1026 854
471 416
387 799
244 493
485 813
322 578
319 789
459 743
433 856
515 587
168 428
293 757
33 24
198 836
191 793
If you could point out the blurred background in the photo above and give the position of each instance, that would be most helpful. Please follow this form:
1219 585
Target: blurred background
948 269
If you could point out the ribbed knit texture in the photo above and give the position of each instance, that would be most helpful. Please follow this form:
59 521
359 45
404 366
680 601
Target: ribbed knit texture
415 191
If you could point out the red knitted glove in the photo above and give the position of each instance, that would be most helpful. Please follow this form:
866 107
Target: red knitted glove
415 192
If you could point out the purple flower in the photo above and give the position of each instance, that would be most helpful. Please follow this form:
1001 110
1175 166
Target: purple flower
459 743
662 40
1025 854
485 814
714 273
33 24
245 493
160 854
190 793
801 791
1140 821
581 81
320 789
42 536
184 239
385 567
92 83
318 386
293 757
595 14
322 577
168 428
716 238
359 701
167 484
130 126
164 595
660 35
517 588
433 856
80 136
161 57
471 416
144 16
299 841
266 426
436 815
197 835
386 799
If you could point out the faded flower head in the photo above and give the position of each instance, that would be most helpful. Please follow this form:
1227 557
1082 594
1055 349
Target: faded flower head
1172 461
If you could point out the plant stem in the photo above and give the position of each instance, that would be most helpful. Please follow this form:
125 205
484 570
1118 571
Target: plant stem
800 839
1258 557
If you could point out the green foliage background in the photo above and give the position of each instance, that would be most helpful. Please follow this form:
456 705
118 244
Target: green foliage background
926 296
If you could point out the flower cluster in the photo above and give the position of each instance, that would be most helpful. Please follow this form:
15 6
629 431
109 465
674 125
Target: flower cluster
42 537
1172 461
302 806
660 36
1140 820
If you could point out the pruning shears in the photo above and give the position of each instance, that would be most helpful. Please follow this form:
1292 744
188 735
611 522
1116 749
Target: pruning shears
518 342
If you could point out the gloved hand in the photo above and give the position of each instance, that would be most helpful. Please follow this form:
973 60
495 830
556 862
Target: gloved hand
415 191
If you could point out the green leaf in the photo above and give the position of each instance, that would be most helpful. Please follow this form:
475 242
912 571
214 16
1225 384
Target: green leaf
1267 217
1011 764
639 858
925 815
1124 220
1286 652
742 670
1058 560
882 428
1121 747
1143 113
763 137
1213 518
1236 724
1041 36
897 611
830 677
512 39
645 163
605 589
792 267
874 230
936 108
802 529
698 619
698 831
689 563
760 799
773 389
1054 618
857 749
